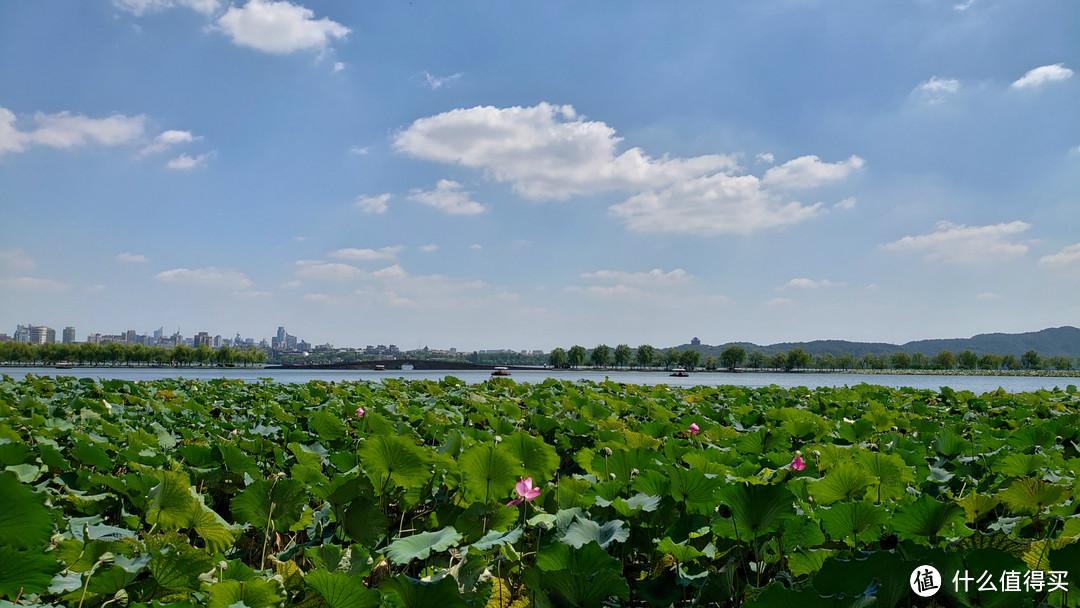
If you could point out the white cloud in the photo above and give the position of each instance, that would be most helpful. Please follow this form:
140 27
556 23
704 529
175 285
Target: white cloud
168 139
1068 260
364 255
766 157
803 283
16 259
847 203
67 130
809 172
338 66
360 151
476 246
140 7
1041 75
279 27
322 298
546 151
210 276
437 82
708 206
290 285
185 162
449 197
33 284
653 278
959 244
127 256
329 271
778 302
372 204
610 291
936 90
429 248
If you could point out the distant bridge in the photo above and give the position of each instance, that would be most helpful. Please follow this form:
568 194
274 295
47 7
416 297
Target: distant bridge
397 364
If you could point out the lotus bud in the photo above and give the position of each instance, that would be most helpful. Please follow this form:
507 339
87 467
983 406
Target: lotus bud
498 439
634 472
606 451
121 598
611 476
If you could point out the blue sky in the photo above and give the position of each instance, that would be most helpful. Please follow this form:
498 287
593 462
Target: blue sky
503 175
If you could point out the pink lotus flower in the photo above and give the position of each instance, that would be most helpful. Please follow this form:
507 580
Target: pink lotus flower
694 429
526 491
797 463
235 432
360 412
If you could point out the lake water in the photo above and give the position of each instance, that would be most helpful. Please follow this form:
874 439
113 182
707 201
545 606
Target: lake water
975 384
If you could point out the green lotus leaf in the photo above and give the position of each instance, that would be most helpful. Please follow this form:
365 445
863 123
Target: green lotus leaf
891 475
420 546
977 505
591 577
238 462
254 593
844 481
853 522
327 425
951 445
341 590
495 538
694 488
538 460
1031 496
584 531
25 522
92 455
757 509
1020 465
489 475
390 459
25 572
856 576
927 518
364 521
417 594
171 503
178 567
278 500
680 551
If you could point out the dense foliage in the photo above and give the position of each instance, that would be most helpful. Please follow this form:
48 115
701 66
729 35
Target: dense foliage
224 493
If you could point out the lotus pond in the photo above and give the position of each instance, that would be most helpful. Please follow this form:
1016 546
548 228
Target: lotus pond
437 493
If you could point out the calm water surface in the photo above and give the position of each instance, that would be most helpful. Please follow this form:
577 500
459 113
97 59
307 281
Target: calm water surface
975 384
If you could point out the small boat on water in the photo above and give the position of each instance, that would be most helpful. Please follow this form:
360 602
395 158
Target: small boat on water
380 368
679 372
500 371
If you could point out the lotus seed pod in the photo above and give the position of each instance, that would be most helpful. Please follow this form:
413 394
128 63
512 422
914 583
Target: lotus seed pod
606 451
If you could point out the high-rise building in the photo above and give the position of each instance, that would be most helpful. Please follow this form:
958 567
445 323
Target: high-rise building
69 335
39 334
22 333
202 338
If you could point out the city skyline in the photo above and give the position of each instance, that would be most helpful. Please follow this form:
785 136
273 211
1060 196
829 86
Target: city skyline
490 175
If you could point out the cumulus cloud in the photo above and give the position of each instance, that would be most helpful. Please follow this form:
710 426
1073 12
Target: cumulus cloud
338 66
847 203
550 152
1039 76
329 271
67 130
476 246
33 284
448 196
545 151
168 139
959 244
127 256
778 302
429 248
809 172
211 276
185 162
803 283
766 157
372 204
140 7
438 82
279 27
16 259
653 278
365 255
1067 260
936 90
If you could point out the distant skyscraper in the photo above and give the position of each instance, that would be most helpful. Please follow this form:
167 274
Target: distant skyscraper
69 335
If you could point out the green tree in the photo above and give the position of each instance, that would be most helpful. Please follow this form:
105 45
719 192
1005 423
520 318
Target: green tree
576 356
1009 362
944 360
845 361
827 361
919 361
689 358
778 360
600 355
874 361
623 355
1058 362
711 363
557 358
966 360
990 361
756 360
900 360
671 357
732 356
1030 360
645 355
797 358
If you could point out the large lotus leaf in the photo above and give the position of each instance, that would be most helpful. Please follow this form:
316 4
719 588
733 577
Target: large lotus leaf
278 500
585 531
682 552
804 561
254 593
855 522
92 455
217 533
1020 465
417 594
757 509
25 572
538 459
777 594
890 474
950 445
927 518
495 538
590 577
635 505
976 506
801 532
238 462
694 488
489 474
1031 496
326 425
171 503
390 459
25 522
420 546
844 481
364 521
856 577
341 590
179 567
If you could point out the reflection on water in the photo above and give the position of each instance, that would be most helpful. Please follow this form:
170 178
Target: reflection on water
975 384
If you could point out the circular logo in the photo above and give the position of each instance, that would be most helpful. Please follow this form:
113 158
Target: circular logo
925 581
